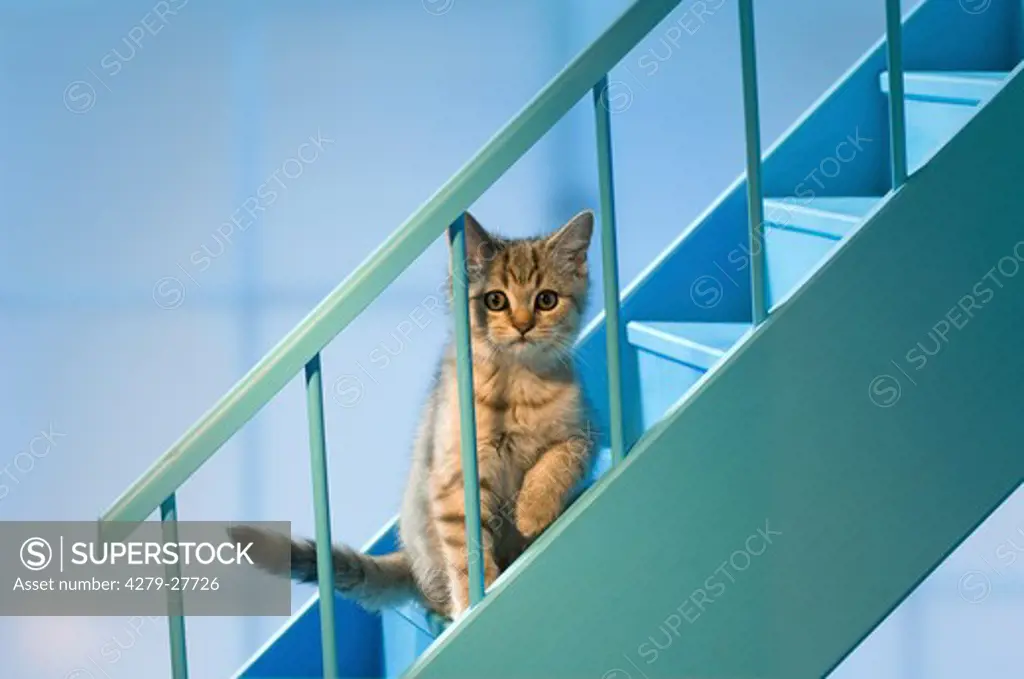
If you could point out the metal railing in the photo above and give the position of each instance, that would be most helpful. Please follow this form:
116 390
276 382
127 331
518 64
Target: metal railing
300 349
897 117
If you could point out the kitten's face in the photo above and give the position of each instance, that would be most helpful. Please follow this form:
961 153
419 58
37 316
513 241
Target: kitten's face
527 296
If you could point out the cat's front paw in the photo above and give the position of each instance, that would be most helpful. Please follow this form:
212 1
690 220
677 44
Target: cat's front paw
535 513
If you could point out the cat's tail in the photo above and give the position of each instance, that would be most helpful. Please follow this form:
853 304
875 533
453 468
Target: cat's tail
371 581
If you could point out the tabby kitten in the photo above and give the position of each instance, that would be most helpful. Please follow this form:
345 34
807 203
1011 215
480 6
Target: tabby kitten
533 437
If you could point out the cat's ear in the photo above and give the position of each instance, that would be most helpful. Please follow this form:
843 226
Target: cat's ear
570 242
480 245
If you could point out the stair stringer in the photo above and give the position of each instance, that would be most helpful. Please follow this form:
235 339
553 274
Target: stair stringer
636 581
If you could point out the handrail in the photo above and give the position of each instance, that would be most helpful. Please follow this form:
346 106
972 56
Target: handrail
383 266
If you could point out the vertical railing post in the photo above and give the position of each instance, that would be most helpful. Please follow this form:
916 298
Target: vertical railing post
897 116
755 197
322 514
610 269
467 412
175 604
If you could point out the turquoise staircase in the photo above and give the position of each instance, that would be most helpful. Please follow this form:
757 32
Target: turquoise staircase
788 482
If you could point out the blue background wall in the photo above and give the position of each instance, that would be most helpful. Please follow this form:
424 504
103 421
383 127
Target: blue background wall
124 312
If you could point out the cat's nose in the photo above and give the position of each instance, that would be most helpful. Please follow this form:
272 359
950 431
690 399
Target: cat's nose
522 320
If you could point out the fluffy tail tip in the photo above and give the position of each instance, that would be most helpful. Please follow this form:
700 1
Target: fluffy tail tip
269 551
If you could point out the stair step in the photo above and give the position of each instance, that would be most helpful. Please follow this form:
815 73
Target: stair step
970 88
671 357
939 104
801 234
697 344
829 217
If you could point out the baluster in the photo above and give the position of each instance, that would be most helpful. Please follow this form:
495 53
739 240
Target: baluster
175 603
467 414
322 514
755 197
610 266
897 116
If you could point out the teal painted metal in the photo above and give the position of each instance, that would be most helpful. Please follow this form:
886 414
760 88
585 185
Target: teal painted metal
175 605
916 460
382 267
851 102
755 196
467 411
830 217
969 88
610 267
321 513
700 345
897 114
938 105
293 650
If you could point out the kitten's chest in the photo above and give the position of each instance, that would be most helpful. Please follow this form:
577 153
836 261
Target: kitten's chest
519 414
527 409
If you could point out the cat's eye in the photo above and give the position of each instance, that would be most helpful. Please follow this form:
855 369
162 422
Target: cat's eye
546 300
495 300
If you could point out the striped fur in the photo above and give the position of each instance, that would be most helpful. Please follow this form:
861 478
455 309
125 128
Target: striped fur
533 437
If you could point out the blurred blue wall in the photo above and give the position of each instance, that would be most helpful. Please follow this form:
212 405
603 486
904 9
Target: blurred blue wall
179 191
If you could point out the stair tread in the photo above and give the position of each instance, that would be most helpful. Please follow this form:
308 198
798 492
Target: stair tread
698 344
830 217
963 87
